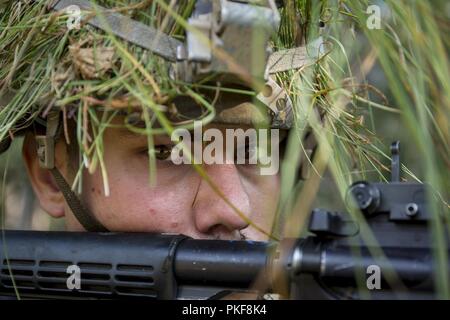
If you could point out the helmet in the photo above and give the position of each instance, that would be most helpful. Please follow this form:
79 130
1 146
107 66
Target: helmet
213 61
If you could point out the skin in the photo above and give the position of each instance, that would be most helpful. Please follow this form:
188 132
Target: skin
181 201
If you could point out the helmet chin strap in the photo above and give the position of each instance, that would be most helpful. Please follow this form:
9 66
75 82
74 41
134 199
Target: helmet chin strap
46 154
84 216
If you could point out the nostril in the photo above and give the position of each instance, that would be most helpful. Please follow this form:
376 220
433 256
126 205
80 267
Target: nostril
221 232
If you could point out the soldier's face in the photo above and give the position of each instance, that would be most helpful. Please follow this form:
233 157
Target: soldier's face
180 201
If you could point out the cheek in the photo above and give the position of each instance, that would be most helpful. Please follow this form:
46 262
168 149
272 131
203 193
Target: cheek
264 196
264 200
133 205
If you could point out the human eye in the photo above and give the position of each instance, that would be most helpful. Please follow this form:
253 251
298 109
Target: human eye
162 152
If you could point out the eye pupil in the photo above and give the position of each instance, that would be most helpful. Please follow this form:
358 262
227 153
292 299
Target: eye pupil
162 152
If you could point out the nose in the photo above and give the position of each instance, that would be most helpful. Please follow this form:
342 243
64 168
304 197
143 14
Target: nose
212 215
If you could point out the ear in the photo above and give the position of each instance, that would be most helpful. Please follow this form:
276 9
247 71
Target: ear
50 197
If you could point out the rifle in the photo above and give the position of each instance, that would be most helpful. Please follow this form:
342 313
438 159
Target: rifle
331 263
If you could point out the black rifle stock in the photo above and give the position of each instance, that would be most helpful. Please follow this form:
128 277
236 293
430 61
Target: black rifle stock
333 262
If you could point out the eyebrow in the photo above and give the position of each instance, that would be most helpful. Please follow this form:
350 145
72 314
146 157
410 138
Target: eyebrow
125 133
